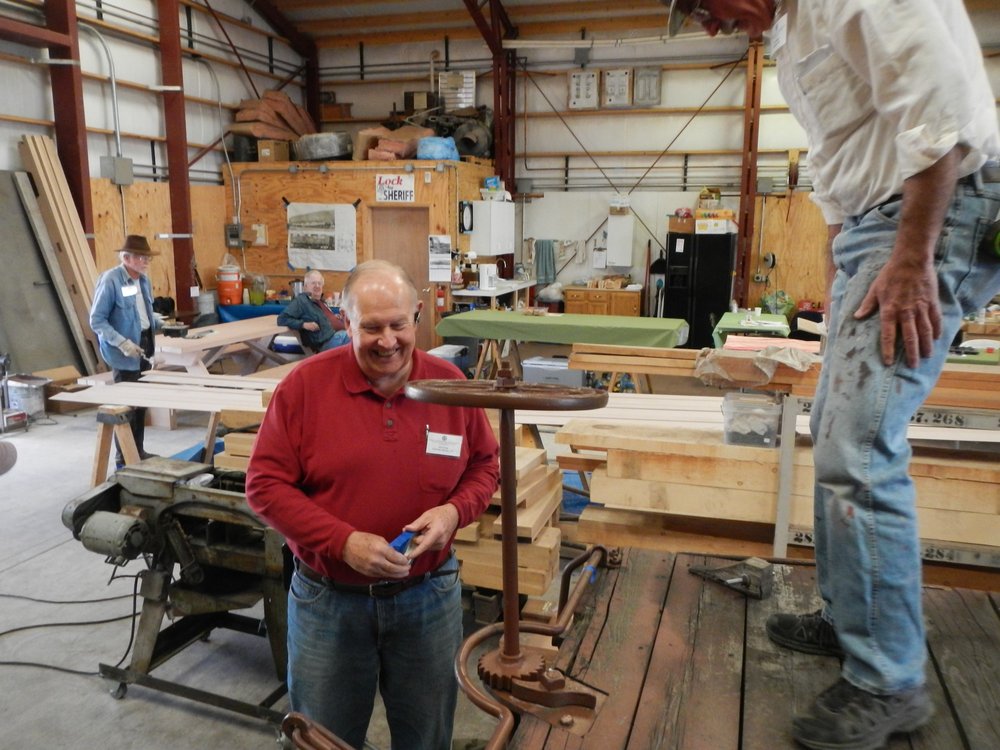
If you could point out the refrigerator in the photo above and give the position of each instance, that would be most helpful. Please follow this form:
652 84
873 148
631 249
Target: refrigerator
699 282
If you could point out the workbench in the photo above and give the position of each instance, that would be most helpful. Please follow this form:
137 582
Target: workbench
495 327
205 393
202 347
744 323
504 286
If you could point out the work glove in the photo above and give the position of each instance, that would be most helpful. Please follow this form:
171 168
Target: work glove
130 348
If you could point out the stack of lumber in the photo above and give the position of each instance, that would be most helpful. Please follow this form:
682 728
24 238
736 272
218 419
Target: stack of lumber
236 455
691 472
960 386
65 237
539 494
274 116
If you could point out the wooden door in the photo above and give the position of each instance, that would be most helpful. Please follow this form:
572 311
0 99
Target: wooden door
399 235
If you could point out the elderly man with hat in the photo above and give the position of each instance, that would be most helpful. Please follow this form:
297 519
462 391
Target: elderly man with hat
122 317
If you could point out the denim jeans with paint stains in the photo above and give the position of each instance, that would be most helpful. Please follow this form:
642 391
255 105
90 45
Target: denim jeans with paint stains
867 541
342 646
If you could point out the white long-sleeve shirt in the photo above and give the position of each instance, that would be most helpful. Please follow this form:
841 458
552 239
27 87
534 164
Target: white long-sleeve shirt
883 89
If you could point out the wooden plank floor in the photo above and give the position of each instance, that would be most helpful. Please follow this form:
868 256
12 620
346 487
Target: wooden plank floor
686 663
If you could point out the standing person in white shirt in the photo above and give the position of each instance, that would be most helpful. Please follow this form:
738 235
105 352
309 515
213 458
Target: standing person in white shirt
122 317
902 125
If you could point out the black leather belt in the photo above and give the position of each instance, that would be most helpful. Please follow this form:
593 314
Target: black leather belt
380 590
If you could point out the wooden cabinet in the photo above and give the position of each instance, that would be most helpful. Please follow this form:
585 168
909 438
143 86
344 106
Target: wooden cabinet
602 301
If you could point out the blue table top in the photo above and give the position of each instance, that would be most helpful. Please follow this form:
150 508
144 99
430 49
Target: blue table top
229 313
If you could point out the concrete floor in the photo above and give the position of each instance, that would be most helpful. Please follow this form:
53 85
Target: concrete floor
40 559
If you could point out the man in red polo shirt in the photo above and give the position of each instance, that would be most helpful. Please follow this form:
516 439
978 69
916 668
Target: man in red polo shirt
344 462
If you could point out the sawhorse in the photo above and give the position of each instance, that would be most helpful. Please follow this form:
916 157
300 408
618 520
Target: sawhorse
112 421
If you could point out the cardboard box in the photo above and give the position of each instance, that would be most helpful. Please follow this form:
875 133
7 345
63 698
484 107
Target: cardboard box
335 111
551 370
679 225
272 150
714 213
63 381
714 226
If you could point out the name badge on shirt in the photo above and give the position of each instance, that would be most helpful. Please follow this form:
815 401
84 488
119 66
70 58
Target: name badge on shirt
130 291
440 444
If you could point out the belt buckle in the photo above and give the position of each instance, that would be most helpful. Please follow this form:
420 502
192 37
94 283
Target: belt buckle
381 589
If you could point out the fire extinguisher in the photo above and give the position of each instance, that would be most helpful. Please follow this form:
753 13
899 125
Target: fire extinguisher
440 298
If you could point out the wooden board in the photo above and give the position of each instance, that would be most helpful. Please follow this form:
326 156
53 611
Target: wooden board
140 208
533 488
84 338
531 520
795 232
63 228
686 663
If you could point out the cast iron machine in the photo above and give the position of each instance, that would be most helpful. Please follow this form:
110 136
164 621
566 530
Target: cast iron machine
517 675
207 554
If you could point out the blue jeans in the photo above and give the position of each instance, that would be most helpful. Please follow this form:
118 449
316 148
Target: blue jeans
342 645
867 542
339 338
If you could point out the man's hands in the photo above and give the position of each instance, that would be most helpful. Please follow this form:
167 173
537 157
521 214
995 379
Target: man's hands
310 326
906 295
130 348
371 555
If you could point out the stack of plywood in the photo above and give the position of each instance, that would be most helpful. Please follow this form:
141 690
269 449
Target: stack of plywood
691 472
539 494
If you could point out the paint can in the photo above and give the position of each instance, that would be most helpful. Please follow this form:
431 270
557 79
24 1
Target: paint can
27 394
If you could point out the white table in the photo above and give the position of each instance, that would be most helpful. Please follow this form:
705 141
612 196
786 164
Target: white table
503 287
204 346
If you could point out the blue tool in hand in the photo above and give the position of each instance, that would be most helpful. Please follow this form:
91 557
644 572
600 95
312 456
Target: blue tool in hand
402 542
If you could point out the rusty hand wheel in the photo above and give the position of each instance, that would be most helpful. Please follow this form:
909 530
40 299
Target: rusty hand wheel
507 394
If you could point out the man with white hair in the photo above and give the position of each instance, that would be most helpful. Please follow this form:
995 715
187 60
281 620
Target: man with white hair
308 314
122 317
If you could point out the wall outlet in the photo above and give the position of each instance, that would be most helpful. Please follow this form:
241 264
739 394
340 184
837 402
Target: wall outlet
759 278
259 234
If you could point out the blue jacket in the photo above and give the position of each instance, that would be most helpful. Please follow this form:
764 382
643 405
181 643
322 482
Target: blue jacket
115 317
301 310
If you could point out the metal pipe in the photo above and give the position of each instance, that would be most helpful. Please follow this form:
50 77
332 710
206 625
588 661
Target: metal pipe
508 524
594 556
114 84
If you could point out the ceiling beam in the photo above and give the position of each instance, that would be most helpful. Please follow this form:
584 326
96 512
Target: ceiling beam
30 35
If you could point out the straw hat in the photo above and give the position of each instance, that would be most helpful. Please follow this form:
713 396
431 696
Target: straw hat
8 456
137 245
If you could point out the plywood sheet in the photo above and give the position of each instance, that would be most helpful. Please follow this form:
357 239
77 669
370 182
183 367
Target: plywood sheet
795 232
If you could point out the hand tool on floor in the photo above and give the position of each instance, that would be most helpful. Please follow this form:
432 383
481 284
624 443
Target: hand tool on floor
751 577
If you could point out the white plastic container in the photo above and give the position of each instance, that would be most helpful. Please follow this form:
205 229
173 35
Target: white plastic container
751 419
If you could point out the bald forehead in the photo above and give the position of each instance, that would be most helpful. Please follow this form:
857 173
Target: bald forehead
383 281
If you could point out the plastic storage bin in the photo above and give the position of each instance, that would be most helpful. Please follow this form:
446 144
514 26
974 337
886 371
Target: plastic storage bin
751 419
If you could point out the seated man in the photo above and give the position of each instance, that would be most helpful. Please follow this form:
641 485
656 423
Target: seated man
317 324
